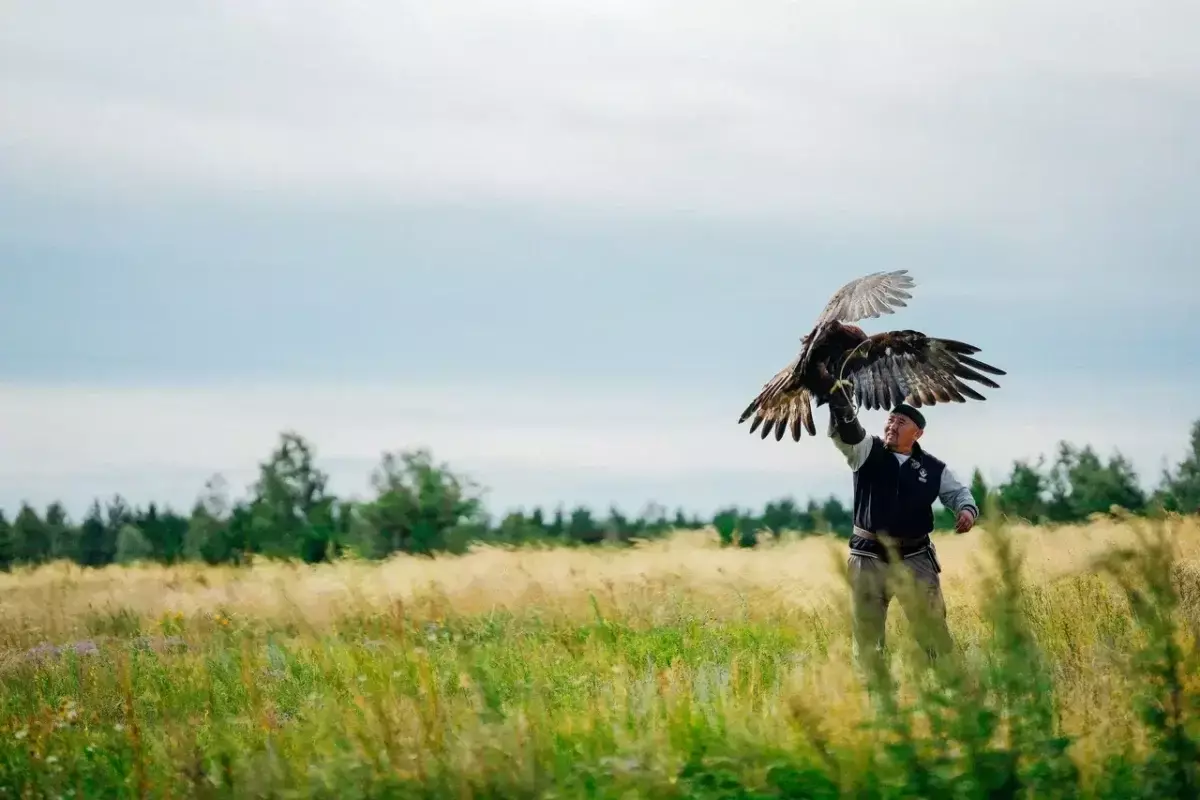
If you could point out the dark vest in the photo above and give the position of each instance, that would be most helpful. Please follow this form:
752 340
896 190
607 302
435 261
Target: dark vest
896 498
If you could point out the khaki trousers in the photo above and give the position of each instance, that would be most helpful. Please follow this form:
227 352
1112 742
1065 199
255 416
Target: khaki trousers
872 589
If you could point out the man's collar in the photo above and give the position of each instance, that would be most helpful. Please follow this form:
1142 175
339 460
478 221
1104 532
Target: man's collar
913 452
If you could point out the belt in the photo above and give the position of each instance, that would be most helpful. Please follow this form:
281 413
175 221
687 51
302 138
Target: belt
874 537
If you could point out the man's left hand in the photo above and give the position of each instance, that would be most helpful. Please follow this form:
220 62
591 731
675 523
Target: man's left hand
966 521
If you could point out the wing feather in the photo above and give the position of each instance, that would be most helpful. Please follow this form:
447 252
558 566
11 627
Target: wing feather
879 384
786 411
864 387
895 381
869 296
782 404
780 382
922 370
887 376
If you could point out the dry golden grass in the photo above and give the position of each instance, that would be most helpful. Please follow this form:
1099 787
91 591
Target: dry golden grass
645 582
505 668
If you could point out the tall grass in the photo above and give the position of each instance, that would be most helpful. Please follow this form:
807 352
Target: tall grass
673 669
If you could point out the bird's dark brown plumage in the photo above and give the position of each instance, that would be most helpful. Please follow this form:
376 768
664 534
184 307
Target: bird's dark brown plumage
883 369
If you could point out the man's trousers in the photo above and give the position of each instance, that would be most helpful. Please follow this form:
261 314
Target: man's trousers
872 590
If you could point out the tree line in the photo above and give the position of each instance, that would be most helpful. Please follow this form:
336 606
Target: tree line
420 506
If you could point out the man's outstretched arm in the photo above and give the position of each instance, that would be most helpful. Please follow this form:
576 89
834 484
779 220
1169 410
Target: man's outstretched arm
847 432
958 498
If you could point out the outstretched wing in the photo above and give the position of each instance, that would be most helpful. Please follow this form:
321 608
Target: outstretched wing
783 402
908 366
869 296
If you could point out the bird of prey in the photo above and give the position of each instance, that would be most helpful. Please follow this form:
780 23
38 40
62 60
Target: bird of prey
880 370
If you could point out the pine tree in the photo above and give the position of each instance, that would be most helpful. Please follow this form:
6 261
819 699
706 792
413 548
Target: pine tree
7 545
980 491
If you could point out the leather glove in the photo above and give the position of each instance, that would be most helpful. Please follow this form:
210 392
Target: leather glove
842 417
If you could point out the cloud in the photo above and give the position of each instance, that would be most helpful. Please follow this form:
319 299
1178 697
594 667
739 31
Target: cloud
993 116
540 444
242 190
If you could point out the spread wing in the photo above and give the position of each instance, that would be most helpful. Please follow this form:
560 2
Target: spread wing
909 366
783 403
869 296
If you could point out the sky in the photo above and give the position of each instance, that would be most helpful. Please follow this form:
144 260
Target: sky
563 244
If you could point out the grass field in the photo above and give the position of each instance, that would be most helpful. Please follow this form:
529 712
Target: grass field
674 669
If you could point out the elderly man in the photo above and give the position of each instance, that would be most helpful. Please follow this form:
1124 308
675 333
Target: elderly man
895 484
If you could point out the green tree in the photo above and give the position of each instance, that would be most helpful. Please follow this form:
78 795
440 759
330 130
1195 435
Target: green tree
165 530
816 517
64 538
652 520
31 537
1180 488
97 546
1059 507
1023 494
423 507
1082 484
516 527
839 518
419 506
621 528
132 545
943 519
781 515
681 520
8 547
980 490
1121 485
582 526
725 520
558 525
291 511
207 536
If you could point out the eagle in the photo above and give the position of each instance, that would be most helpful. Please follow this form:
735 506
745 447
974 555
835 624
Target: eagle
881 370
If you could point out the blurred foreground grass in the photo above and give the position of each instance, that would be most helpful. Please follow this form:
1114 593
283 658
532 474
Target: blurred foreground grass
675 669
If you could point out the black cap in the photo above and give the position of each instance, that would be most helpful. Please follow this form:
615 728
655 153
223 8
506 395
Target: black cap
911 413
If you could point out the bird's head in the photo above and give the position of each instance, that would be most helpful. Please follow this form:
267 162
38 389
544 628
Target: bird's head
854 329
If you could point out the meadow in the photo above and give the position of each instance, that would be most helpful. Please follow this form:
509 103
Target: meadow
672 668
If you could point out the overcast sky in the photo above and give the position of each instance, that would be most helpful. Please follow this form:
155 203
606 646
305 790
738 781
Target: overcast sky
562 244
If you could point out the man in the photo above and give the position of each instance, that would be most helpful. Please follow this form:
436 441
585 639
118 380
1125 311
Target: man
895 484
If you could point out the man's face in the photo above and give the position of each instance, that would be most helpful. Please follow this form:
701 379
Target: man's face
900 432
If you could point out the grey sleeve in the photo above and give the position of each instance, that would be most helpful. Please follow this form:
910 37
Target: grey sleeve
955 496
857 449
